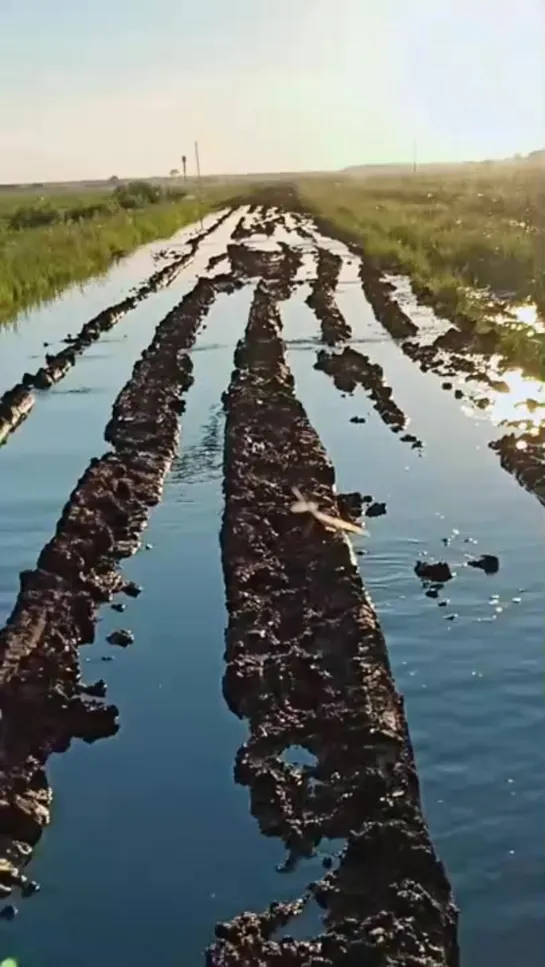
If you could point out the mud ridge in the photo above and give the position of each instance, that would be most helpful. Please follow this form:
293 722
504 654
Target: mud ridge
16 403
523 456
322 298
307 666
377 290
43 703
350 369
278 269
242 229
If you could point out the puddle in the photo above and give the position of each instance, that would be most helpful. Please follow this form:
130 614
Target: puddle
297 756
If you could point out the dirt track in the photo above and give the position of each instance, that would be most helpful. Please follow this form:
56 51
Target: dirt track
306 661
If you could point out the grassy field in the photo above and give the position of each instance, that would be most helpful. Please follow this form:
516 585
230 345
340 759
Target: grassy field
48 242
471 240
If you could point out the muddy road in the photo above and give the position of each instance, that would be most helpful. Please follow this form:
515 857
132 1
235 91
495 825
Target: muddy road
358 760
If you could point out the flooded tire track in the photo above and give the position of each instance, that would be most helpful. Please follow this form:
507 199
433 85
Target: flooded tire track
17 402
306 666
43 703
349 368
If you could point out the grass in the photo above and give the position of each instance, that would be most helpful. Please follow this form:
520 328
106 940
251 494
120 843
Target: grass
474 230
48 243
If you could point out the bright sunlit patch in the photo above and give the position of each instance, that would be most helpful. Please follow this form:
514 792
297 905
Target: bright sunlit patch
528 315
521 317
524 400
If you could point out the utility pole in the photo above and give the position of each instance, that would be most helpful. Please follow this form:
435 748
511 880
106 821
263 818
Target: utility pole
199 184
414 157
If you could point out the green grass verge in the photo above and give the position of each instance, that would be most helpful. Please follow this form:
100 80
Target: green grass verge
457 236
46 245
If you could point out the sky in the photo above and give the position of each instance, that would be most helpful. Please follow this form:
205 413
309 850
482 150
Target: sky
125 87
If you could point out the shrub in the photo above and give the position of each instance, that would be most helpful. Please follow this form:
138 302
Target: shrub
137 194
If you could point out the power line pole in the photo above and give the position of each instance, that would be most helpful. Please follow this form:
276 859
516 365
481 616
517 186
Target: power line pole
199 184
414 157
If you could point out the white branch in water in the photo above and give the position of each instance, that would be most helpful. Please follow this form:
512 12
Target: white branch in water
303 506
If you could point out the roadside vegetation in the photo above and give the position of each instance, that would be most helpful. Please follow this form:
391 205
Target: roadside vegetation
48 242
471 240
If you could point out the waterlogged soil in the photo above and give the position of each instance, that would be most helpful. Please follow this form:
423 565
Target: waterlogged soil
150 820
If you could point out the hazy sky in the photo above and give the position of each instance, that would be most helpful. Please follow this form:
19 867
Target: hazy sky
126 86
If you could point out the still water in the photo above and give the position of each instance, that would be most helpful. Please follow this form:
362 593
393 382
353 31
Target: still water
151 841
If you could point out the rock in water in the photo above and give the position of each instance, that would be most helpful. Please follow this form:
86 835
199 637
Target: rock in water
376 510
430 571
486 562
121 638
8 912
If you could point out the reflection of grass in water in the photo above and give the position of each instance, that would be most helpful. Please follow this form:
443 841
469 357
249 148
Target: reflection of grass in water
202 460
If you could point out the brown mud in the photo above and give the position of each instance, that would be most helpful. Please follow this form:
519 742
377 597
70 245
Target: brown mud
43 703
523 455
242 229
16 403
278 268
322 298
214 260
307 666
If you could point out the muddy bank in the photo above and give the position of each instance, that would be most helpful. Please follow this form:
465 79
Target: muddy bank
322 298
43 703
306 666
17 402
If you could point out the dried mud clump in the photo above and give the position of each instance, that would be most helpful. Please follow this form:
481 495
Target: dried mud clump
306 666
